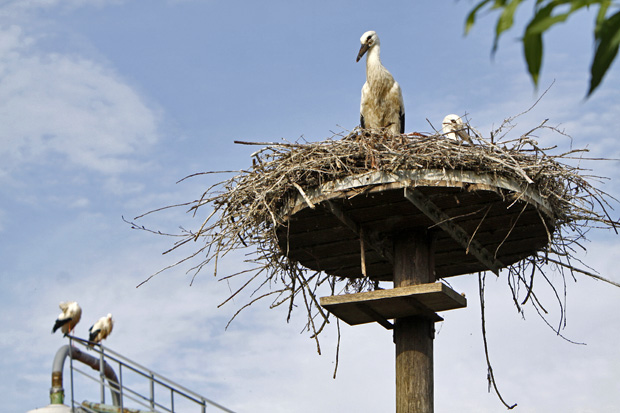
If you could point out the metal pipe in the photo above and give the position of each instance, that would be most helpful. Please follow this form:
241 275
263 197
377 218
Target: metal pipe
57 392
72 376
100 367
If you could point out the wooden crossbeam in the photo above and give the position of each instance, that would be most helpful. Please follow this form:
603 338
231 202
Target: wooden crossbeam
368 238
444 221
422 309
366 309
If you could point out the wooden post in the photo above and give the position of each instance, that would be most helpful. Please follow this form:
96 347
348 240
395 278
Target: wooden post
413 336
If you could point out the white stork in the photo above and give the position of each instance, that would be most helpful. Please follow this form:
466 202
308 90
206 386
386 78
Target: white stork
100 330
382 103
68 319
452 125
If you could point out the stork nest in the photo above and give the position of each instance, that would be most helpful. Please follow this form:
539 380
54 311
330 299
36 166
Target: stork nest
243 211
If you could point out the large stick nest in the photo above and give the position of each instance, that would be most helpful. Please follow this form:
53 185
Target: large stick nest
243 211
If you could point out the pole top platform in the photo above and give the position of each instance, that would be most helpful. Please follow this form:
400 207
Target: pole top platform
480 222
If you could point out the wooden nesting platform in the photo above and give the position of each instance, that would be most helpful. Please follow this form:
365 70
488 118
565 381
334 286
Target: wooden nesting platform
480 222
383 305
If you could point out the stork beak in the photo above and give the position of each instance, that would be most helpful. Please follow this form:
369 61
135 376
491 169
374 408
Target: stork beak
363 50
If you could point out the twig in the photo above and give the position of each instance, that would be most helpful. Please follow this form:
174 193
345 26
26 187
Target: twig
490 376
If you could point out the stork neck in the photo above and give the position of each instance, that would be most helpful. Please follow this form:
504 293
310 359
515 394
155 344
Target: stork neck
373 61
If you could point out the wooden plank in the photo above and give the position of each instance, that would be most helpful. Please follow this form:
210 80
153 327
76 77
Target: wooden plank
369 238
393 303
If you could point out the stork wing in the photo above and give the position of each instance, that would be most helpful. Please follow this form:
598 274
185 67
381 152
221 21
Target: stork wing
93 334
397 95
59 323
364 104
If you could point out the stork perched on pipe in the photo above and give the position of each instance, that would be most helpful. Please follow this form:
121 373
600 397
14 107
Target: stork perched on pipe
68 319
382 103
452 126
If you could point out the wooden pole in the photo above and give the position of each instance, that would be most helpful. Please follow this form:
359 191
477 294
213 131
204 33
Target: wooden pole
413 336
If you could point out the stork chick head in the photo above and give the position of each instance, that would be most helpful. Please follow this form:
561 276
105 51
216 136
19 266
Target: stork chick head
368 40
450 124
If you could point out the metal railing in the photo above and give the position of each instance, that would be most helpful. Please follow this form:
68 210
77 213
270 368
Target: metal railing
154 388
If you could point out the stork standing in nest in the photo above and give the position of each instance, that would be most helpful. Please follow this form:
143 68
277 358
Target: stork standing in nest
382 103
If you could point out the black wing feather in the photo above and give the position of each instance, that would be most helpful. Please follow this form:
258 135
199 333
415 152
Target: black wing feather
93 334
59 323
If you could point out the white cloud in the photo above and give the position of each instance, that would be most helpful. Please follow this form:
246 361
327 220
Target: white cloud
14 8
68 108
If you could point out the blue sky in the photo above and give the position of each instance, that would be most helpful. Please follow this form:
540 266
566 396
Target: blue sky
105 104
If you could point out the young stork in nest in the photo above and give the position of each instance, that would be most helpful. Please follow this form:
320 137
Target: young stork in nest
68 319
100 330
452 125
382 100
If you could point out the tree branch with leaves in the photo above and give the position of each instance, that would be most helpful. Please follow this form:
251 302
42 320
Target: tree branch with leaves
546 15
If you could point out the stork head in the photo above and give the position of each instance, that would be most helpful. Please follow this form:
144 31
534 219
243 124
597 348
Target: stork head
368 40
450 124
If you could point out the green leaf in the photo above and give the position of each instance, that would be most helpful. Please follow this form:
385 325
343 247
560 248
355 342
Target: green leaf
471 17
608 40
532 40
505 21
543 18
544 23
533 51
600 17
499 4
